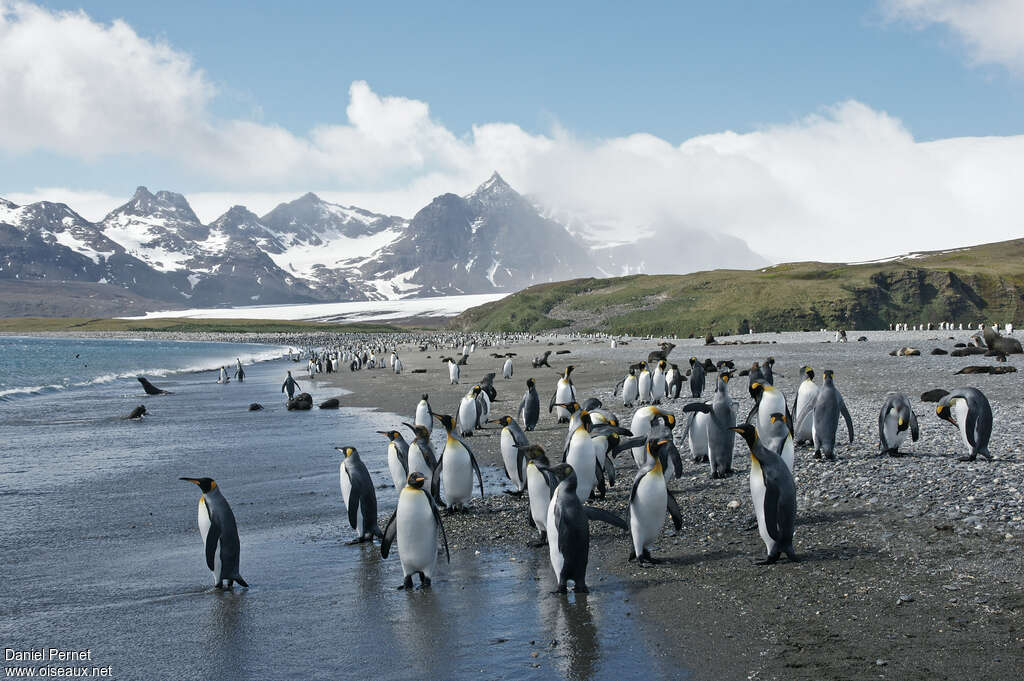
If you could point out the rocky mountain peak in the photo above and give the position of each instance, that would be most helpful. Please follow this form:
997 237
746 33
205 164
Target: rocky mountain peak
163 204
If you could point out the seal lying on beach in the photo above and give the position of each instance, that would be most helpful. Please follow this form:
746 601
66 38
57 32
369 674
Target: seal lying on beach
300 402
332 403
150 388
255 406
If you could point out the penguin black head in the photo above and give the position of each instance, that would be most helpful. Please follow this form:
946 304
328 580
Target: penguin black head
756 388
829 374
476 390
777 417
562 471
569 370
770 361
424 397
748 433
416 480
505 420
693 360
755 365
530 383
348 451
585 420
205 484
725 376
945 413
390 434
669 419
447 421
809 372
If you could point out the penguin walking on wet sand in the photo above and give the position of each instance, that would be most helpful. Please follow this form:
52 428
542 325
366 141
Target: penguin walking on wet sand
529 406
455 468
968 409
568 528
424 416
290 385
648 502
773 493
697 376
895 419
220 534
239 371
223 377
564 392
415 524
513 441
398 457
359 495
539 484
828 405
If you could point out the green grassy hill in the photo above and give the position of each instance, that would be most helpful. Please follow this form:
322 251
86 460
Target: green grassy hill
969 285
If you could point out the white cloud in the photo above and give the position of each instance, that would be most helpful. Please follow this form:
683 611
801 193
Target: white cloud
846 183
992 30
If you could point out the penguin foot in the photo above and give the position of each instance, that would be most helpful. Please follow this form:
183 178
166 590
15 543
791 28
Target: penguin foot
514 492
972 457
817 454
424 581
580 589
537 543
830 456
406 585
353 542
562 589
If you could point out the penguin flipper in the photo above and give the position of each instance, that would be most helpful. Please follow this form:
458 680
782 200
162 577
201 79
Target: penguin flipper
789 421
702 407
551 405
846 416
435 479
212 540
970 426
914 431
609 469
807 413
440 526
605 516
771 508
390 531
673 511
476 467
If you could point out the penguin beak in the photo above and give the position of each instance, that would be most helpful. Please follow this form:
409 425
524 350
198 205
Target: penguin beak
194 481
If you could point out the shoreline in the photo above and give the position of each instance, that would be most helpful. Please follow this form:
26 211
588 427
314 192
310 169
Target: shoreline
899 577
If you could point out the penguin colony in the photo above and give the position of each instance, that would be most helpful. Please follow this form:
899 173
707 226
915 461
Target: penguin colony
556 486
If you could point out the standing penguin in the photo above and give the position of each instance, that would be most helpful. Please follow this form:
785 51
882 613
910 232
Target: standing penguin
675 381
398 458
529 406
648 502
564 392
895 419
239 371
696 435
290 385
754 376
224 378
579 453
969 410
359 496
397 366
630 391
469 412
539 485
641 427
506 370
513 442
423 416
773 493
767 371
568 527
644 385
659 384
721 417
825 410
778 438
421 455
805 397
453 370
220 534
455 468
696 378
415 524
768 400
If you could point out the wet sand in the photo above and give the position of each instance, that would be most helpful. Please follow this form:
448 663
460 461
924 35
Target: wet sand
910 568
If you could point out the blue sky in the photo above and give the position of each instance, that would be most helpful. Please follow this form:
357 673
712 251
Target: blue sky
577 82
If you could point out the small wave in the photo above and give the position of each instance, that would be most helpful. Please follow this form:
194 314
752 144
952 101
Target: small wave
11 393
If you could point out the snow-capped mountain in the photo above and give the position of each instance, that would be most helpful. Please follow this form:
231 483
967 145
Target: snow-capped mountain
310 250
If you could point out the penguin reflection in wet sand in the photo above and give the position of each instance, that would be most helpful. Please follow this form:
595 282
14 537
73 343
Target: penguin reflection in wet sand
895 420
415 524
568 526
220 534
359 496
773 493
968 409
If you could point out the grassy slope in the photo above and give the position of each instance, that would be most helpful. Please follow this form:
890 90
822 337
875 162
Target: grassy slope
30 324
981 283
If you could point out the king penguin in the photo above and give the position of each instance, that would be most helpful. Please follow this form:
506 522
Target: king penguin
506 369
969 410
895 419
469 412
423 416
220 534
773 493
648 502
805 396
564 392
697 375
455 468
398 457
644 384
359 495
529 406
421 455
415 524
513 441
630 391
538 487
824 411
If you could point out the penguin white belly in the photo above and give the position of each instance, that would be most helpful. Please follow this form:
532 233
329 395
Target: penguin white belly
453 372
423 416
788 453
757 494
564 394
416 533
510 457
467 415
630 392
658 387
346 496
581 458
418 464
806 394
457 475
959 408
557 559
772 402
540 496
506 371
204 519
398 474
890 429
697 438
644 386
647 511
640 427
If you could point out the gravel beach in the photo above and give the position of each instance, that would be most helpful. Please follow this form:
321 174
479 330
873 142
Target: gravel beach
910 567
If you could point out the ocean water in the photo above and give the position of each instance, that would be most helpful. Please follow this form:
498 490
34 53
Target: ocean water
101 549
